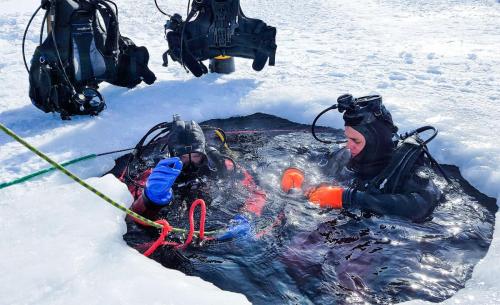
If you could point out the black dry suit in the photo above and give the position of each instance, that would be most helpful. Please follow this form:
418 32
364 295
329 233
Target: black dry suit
220 28
392 178
83 47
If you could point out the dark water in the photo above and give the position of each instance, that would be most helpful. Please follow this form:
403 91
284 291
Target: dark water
317 256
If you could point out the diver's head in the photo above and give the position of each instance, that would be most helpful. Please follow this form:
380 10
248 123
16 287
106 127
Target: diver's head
187 141
369 130
355 140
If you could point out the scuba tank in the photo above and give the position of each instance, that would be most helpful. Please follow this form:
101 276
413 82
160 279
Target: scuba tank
219 29
83 47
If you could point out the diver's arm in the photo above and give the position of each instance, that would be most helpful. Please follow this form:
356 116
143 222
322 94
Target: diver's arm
158 191
146 208
256 199
416 203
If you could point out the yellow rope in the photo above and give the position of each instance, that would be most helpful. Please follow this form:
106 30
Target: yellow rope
91 188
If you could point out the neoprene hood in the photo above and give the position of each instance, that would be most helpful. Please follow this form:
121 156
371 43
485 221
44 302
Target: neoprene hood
186 137
368 116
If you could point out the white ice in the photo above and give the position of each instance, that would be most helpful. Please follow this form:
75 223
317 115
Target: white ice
434 63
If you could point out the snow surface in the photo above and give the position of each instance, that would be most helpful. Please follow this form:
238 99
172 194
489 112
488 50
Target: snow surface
434 62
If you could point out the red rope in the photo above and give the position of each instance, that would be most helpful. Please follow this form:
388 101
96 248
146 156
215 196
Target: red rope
167 228
161 239
189 239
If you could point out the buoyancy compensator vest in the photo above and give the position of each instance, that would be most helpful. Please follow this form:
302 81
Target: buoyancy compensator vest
411 150
83 47
219 28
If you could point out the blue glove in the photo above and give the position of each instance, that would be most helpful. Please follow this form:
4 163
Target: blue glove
239 226
159 184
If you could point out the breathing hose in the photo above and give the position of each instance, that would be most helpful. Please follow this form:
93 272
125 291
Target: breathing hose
313 126
24 36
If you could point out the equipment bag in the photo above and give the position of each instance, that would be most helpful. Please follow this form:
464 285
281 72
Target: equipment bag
220 28
83 47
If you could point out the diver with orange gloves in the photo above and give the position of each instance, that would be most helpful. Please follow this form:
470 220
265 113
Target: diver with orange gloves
186 169
380 171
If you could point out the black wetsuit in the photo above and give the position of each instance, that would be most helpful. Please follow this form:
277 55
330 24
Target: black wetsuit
415 199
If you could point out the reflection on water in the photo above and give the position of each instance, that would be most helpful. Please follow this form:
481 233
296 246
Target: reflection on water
314 256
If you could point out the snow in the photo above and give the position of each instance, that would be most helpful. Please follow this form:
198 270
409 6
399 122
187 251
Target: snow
434 63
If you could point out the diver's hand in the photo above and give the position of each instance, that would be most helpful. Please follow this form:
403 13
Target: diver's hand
238 226
326 196
292 179
159 184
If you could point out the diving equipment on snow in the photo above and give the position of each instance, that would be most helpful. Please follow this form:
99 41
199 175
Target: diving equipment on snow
83 48
219 29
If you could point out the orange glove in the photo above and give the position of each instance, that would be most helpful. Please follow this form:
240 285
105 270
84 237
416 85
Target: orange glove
292 179
326 196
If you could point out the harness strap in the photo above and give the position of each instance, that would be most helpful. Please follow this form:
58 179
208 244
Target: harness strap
112 28
410 148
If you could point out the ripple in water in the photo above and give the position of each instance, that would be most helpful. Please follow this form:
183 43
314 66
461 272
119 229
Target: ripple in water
307 255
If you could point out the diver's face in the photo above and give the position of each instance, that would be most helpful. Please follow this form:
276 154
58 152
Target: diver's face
355 141
195 160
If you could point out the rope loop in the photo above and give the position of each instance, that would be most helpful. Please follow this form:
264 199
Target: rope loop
189 239
166 228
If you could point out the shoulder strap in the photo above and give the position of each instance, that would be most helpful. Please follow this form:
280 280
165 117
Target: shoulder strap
111 27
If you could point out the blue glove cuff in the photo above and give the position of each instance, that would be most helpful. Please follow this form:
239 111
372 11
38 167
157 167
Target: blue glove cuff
158 195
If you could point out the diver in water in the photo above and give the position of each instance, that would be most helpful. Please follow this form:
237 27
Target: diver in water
189 170
378 174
